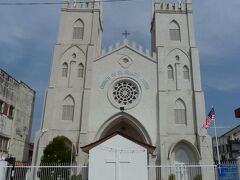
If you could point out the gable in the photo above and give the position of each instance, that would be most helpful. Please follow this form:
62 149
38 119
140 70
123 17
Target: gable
122 144
125 50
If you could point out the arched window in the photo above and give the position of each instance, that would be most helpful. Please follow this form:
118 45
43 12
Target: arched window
78 29
68 108
174 31
186 74
180 112
64 70
170 72
80 70
185 155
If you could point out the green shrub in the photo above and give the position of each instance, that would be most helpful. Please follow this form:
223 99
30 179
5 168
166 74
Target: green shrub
197 177
76 177
172 177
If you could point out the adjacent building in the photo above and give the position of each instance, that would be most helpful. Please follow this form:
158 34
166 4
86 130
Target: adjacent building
16 110
229 145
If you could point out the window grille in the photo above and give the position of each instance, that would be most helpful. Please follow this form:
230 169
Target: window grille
180 112
175 34
180 116
78 33
78 29
64 70
174 31
67 113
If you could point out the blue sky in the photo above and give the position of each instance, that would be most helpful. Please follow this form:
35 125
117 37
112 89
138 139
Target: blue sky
28 34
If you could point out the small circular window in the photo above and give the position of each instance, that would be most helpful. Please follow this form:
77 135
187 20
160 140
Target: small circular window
124 93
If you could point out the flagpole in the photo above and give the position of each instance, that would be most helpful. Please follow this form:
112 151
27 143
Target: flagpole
216 138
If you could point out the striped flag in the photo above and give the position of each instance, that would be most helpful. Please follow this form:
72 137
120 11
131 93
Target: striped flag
210 117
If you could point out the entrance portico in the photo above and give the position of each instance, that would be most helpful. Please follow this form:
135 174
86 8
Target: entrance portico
119 157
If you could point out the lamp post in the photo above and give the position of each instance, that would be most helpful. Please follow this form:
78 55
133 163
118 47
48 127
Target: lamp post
35 149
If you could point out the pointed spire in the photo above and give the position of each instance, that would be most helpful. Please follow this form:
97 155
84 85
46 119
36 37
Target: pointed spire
126 34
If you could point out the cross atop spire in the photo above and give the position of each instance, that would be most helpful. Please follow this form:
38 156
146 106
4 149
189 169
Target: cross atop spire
126 34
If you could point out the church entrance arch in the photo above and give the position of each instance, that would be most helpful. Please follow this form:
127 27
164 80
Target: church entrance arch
126 124
184 155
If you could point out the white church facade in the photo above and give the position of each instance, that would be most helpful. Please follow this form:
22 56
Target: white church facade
154 97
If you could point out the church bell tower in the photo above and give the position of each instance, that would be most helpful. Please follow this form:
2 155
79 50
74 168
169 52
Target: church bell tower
180 96
79 42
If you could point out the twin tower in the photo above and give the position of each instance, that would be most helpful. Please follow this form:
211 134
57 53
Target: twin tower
152 96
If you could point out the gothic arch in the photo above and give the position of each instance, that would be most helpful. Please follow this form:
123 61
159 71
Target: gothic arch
68 108
186 72
64 69
177 49
179 103
79 22
187 144
80 70
71 47
69 100
174 25
123 117
174 31
170 72
180 112
78 29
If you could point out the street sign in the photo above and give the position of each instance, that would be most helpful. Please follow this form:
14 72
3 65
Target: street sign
228 172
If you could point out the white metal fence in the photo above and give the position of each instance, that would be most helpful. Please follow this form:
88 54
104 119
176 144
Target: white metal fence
163 172
181 172
46 173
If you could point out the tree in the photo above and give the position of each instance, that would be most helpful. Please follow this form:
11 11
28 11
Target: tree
57 152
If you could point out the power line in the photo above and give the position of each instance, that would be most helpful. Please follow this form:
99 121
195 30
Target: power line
51 3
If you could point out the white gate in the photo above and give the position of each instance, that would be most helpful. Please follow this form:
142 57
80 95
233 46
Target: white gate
182 172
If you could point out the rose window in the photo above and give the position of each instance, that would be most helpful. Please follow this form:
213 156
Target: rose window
125 92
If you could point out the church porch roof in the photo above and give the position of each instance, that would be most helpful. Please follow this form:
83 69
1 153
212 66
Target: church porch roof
88 147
